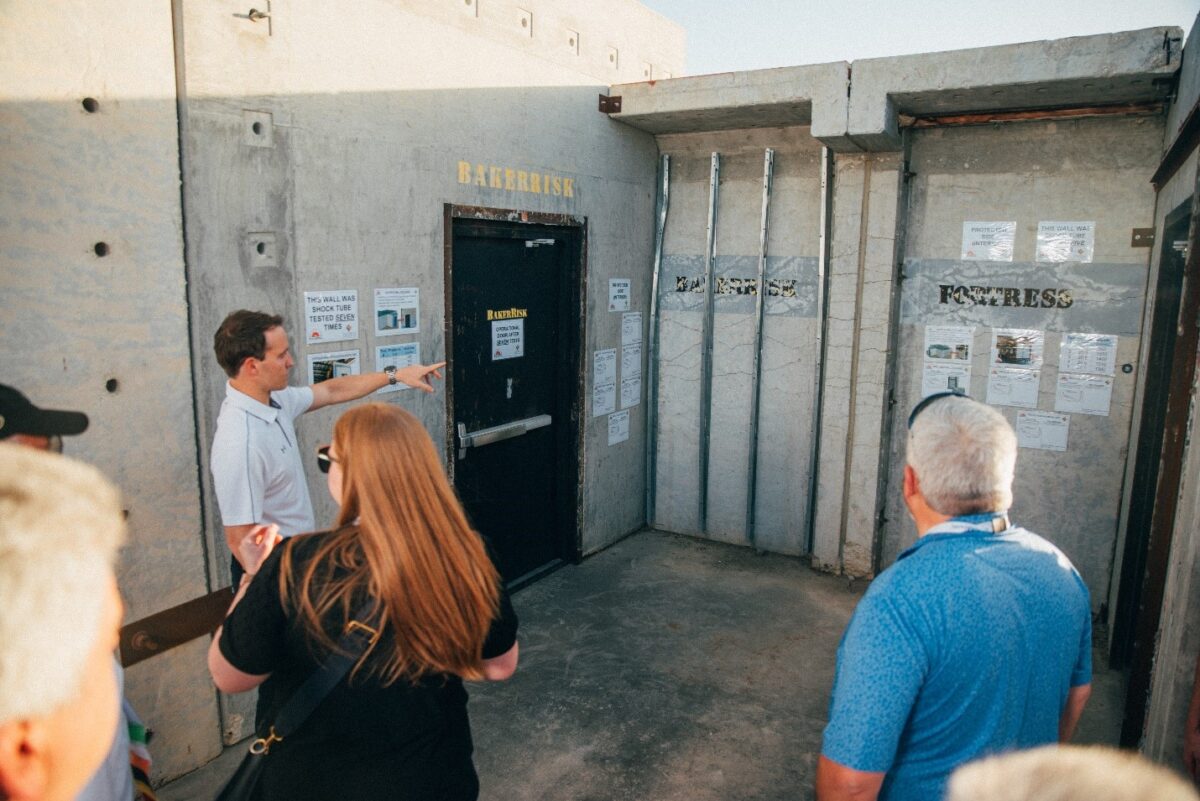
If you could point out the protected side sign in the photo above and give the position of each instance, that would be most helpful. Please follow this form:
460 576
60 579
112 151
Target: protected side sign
508 339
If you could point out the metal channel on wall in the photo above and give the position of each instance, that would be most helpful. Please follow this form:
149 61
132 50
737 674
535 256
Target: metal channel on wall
707 333
710 255
756 370
824 239
660 228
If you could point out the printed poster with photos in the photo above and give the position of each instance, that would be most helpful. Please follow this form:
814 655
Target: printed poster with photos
335 364
397 311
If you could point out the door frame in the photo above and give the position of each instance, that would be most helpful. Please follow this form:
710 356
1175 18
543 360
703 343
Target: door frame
1166 491
575 286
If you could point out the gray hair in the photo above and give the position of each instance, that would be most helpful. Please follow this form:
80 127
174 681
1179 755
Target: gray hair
60 527
964 454
1067 773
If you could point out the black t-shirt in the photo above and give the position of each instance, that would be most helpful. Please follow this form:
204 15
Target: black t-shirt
364 741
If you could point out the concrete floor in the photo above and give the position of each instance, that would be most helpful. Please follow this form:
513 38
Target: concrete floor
667 668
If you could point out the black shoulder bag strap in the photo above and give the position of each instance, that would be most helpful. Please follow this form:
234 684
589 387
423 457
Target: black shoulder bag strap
357 637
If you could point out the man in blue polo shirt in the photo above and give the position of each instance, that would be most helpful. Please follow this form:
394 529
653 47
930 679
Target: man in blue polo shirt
258 474
977 641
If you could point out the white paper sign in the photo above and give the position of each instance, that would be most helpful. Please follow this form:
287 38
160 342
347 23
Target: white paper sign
988 241
1066 241
402 355
1083 394
1088 353
937 377
397 311
324 366
604 367
604 399
1008 386
948 343
1018 347
1046 431
618 294
631 328
631 361
631 392
508 339
618 427
330 316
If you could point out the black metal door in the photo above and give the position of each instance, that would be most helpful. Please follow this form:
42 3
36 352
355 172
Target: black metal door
514 387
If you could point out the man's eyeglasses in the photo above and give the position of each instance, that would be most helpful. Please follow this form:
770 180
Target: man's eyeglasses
324 460
920 407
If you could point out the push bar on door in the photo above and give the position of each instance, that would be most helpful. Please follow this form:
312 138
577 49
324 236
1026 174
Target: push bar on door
488 436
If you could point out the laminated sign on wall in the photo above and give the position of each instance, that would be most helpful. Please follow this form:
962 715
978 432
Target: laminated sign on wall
946 359
324 366
404 355
1066 241
397 311
508 339
604 382
988 241
331 315
618 294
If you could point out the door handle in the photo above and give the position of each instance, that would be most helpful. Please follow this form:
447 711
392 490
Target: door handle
489 436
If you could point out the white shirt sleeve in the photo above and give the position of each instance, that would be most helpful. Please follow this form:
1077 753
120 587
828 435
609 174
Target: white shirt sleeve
239 478
294 401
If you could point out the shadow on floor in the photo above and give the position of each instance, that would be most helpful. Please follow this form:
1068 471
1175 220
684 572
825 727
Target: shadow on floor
668 668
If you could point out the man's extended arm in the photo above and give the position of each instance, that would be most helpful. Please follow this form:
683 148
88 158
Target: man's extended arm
836 782
353 387
1076 699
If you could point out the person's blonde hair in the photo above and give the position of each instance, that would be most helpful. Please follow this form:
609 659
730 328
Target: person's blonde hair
60 527
411 549
1067 773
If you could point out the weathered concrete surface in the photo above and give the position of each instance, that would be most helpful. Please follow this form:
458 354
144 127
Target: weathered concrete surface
358 162
855 414
1178 640
76 323
787 96
668 668
1082 170
789 331
1125 67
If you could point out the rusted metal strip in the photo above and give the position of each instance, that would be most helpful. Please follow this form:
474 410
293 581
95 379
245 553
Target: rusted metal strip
173 627
1185 142
986 117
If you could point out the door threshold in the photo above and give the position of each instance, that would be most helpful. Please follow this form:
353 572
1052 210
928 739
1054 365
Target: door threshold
534 575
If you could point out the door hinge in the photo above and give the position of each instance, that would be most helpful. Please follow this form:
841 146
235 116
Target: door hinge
610 105
1142 238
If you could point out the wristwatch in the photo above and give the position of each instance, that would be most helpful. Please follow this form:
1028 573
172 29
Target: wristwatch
390 372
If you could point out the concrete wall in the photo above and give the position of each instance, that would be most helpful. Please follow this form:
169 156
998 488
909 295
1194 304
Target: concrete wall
362 121
867 195
1178 641
76 323
789 356
1093 170
368 118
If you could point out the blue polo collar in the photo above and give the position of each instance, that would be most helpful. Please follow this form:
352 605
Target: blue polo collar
977 525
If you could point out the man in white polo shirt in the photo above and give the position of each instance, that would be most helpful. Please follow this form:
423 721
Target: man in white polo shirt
258 474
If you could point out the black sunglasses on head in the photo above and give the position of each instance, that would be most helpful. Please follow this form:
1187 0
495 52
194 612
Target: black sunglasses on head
324 460
920 407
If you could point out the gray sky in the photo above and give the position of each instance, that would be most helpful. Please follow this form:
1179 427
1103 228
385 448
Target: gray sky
729 35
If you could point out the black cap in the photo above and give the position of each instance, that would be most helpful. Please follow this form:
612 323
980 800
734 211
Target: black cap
19 416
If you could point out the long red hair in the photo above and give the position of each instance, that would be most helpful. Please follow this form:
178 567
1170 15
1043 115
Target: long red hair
411 549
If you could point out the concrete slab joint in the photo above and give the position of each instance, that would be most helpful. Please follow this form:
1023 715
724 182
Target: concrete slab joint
1107 69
